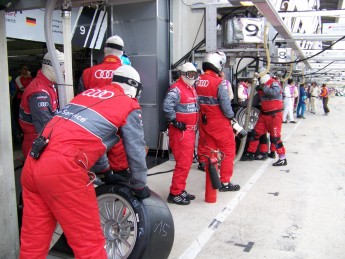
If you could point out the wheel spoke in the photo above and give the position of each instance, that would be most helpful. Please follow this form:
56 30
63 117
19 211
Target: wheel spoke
125 242
126 217
119 213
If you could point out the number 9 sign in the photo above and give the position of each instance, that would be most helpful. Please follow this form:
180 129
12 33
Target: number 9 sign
82 30
252 30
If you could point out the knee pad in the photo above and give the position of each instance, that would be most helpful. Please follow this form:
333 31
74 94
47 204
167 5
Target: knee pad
277 142
253 136
263 139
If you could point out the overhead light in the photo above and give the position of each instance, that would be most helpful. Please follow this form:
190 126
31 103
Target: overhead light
246 3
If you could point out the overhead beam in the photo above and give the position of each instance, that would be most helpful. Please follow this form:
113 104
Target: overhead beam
317 37
313 13
268 10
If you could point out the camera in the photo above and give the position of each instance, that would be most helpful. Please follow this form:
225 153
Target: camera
238 129
38 146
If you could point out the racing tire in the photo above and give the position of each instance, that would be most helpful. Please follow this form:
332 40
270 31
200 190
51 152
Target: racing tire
241 114
134 228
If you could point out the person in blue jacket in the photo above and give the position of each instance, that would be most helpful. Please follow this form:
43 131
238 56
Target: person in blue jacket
302 101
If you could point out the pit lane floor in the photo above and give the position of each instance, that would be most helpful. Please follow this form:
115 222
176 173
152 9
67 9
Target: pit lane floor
295 211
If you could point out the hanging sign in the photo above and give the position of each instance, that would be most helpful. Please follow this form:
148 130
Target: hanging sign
88 26
245 30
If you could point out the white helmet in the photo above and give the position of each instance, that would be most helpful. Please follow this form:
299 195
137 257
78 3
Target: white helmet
223 57
189 74
47 65
265 77
213 61
114 46
128 78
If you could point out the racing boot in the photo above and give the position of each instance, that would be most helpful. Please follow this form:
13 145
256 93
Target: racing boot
248 156
261 156
280 162
229 187
201 167
187 196
178 199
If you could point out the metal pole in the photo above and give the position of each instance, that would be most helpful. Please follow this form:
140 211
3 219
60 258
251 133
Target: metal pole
48 14
9 243
67 43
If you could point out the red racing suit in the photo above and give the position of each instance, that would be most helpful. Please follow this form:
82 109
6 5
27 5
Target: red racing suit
180 103
270 118
56 187
217 132
38 105
98 76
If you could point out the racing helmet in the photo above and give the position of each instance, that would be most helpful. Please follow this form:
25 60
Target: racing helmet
265 77
114 46
47 65
189 73
223 57
213 61
128 78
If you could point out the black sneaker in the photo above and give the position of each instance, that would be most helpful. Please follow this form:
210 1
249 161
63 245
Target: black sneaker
280 162
187 196
272 155
284 121
229 187
248 156
177 199
201 167
261 156
293 122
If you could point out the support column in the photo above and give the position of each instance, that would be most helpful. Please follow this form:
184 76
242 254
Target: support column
9 239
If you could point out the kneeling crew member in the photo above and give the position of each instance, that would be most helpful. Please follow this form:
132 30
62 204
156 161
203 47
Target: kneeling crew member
56 184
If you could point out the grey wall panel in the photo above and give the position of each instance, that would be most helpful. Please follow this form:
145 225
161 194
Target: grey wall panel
147 68
144 29
150 126
134 11
139 37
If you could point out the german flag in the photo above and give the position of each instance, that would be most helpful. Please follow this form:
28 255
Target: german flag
30 21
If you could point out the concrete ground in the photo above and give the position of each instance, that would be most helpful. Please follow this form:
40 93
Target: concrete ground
295 211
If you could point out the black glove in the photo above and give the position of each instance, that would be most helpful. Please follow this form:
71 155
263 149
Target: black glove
259 87
244 104
178 124
142 193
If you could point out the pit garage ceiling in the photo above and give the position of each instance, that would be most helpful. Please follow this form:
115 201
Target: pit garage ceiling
296 24
301 25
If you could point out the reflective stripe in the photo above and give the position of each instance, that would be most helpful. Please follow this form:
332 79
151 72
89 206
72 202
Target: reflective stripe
208 100
92 121
25 117
186 107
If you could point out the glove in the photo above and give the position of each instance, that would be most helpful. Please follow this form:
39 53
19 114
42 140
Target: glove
178 124
142 193
259 87
244 104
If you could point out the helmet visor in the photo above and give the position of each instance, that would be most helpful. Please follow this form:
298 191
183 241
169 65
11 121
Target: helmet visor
190 75
129 81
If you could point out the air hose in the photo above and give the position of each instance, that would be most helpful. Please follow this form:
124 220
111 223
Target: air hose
251 95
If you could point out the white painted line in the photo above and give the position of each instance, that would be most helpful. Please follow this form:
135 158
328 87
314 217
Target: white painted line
193 250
